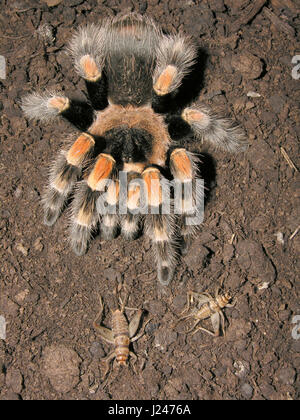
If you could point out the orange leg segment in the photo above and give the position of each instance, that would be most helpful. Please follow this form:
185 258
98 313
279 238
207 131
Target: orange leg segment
101 172
60 103
90 69
151 177
181 165
165 80
80 149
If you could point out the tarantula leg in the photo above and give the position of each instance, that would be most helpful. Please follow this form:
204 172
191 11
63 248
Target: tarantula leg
188 194
110 220
160 227
88 51
175 56
130 222
84 211
63 175
47 106
97 92
130 226
220 132
165 80
89 68
96 83
87 48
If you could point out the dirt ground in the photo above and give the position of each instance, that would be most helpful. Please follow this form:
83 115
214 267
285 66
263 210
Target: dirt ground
248 242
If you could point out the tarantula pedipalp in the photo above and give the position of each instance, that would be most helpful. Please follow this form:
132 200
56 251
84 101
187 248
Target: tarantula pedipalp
129 67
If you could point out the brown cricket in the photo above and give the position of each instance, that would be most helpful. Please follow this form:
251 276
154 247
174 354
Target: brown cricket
207 307
121 334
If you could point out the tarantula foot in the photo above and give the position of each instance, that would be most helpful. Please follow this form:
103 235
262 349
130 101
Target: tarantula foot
79 239
165 275
53 203
108 233
50 216
185 245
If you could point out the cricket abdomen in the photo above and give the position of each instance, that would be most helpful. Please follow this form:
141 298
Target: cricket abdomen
121 337
204 312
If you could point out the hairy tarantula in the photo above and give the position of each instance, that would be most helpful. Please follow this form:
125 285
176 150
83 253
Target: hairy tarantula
130 67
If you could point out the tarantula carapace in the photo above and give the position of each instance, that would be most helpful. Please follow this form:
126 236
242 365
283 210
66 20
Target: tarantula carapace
130 67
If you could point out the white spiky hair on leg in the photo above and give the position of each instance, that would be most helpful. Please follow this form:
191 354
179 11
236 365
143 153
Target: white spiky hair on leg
177 51
36 106
89 40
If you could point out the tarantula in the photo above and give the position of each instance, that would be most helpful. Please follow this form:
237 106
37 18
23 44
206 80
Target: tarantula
130 67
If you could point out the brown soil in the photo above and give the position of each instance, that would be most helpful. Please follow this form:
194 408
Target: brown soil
49 297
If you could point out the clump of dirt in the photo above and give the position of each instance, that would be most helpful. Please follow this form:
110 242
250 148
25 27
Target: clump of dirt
248 243
61 367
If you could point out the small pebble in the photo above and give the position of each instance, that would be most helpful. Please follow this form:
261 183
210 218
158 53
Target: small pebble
2 328
242 368
286 375
279 237
52 3
21 248
252 94
61 366
14 380
38 246
247 391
